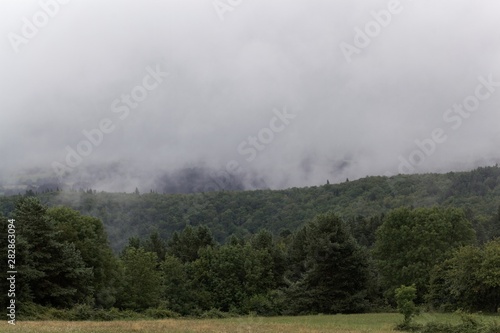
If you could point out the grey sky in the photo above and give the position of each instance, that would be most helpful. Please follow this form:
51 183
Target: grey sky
225 78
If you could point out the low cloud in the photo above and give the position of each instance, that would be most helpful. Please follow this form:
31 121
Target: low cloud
226 76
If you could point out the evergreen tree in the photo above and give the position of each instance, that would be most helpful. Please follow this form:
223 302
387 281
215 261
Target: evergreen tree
264 241
186 244
156 245
51 271
4 241
332 270
89 237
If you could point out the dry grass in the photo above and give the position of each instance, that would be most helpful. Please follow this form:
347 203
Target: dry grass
377 323
363 323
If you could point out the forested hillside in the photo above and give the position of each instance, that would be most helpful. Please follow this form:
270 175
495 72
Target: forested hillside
263 252
242 213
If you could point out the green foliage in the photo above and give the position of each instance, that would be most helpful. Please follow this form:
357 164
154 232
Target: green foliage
85 312
405 297
90 239
469 279
364 229
64 257
186 244
329 270
173 264
226 276
215 314
262 304
276 248
4 242
177 292
411 241
468 324
244 213
141 280
160 313
52 271
157 245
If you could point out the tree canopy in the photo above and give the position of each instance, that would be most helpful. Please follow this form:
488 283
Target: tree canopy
411 241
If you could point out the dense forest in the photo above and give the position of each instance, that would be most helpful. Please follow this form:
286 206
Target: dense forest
243 213
340 248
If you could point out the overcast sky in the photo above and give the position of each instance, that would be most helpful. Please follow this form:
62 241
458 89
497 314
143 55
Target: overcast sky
355 93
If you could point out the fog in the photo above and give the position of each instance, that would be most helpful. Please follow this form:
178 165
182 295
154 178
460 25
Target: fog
267 94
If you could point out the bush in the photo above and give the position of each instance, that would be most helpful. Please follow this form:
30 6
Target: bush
405 295
161 313
215 314
260 305
82 312
493 328
106 315
469 324
32 311
437 328
59 314
408 327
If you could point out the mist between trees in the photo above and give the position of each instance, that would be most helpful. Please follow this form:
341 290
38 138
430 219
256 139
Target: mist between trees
331 263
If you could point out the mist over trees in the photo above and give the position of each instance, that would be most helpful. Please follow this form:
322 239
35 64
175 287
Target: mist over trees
291 252
362 203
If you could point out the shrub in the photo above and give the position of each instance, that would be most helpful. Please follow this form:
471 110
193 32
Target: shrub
408 327
215 314
469 324
160 313
32 311
259 304
82 312
405 295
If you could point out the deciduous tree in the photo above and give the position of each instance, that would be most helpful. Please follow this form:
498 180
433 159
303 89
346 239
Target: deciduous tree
411 241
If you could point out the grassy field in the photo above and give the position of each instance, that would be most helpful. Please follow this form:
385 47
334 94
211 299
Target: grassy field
360 323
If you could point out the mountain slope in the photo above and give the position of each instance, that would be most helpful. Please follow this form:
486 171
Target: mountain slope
240 213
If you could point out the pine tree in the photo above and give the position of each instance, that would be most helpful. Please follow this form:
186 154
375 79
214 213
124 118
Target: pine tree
331 269
51 271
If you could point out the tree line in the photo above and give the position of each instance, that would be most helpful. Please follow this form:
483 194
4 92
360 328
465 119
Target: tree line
243 213
64 260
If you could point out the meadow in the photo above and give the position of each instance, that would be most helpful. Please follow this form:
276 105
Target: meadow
356 323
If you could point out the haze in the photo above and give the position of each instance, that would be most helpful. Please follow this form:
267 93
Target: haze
357 104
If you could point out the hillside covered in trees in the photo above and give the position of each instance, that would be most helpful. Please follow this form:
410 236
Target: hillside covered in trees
66 268
236 253
363 202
